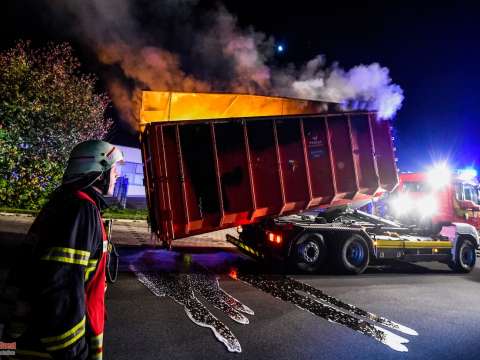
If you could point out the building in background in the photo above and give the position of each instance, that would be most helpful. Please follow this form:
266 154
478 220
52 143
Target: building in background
129 190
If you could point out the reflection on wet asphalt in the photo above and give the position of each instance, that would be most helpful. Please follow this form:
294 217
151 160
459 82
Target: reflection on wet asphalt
184 277
322 305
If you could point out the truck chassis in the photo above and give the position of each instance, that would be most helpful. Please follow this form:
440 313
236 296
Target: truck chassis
349 240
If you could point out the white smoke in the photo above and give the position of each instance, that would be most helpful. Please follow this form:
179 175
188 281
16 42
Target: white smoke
363 86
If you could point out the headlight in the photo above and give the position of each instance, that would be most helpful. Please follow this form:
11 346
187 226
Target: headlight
427 206
401 205
439 176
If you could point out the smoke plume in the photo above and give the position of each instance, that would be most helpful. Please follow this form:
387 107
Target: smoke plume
362 87
177 45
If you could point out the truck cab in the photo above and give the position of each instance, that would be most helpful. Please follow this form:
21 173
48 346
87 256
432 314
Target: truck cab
467 202
437 197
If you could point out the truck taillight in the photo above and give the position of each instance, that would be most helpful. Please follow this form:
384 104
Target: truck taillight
274 238
278 239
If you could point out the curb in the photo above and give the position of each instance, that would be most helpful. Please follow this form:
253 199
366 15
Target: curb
2 213
16 214
127 220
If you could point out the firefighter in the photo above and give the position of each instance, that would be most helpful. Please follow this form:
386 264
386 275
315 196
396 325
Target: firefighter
60 307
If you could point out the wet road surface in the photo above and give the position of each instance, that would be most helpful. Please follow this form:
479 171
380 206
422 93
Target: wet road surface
216 303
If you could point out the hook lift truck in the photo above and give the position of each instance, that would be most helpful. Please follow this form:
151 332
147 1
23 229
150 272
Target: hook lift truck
290 175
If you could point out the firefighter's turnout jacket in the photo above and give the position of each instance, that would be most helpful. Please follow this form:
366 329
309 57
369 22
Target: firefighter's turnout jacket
64 284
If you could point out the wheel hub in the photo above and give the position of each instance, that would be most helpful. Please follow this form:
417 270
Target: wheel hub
355 253
468 256
310 252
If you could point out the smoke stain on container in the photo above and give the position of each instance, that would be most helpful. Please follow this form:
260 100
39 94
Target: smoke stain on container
322 305
182 288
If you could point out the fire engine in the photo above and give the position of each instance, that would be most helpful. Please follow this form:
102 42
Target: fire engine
438 196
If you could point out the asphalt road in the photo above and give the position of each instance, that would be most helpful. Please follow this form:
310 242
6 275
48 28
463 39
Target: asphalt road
159 293
442 307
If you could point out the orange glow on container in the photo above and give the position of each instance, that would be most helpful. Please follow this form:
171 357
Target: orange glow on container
158 106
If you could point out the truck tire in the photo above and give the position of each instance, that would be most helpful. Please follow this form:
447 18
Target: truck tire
351 254
308 253
465 257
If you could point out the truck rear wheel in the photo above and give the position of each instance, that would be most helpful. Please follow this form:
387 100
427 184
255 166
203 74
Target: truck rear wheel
351 255
465 257
308 253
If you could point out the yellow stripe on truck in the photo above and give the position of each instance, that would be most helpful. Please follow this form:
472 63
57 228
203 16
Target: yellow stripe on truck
428 244
247 248
400 244
389 243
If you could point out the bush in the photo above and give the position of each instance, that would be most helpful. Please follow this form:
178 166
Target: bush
47 106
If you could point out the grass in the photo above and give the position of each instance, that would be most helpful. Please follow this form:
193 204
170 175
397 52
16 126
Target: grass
111 213
131 214
18 211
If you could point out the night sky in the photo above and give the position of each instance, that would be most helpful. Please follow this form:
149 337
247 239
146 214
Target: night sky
433 53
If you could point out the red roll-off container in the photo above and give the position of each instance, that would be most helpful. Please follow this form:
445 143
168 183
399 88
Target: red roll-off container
205 174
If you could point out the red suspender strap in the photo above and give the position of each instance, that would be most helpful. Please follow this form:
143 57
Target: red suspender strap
95 294
84 196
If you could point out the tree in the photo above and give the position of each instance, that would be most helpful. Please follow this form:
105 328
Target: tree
47 106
